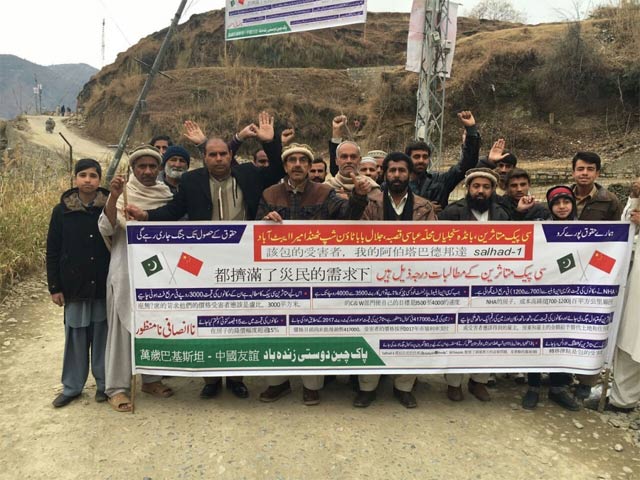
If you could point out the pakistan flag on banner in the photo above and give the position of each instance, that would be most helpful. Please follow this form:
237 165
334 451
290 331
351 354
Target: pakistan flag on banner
151 265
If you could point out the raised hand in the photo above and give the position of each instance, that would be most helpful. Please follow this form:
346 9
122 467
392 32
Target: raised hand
193 132
635 189
250 131
265 131
339 126
116 187
361 185
466 118
497 151
286 136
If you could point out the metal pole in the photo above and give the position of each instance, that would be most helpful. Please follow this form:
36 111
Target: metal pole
70 158
143 94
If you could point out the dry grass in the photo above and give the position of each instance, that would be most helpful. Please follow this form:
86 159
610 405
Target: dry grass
27 195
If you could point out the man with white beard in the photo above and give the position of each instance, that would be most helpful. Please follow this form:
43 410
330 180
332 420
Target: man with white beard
175 161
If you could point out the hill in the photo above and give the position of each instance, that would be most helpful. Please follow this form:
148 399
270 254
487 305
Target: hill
543 87
61 84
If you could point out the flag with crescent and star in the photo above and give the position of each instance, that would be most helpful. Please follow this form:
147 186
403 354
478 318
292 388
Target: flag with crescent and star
151 265
566 263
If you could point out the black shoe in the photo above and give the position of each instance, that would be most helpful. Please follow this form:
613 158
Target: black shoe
62 400
328 379
211 390
530 400
275 392
238 388
101 396
310 397
583 391
565 400
593 404
364 399
405 398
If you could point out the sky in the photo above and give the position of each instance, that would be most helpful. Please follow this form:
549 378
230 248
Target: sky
70 31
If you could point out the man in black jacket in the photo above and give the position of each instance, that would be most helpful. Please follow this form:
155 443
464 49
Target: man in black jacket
517 201
437 186
222 192
480 205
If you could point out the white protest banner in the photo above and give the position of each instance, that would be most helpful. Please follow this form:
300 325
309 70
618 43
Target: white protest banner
375 297
415 38
259 18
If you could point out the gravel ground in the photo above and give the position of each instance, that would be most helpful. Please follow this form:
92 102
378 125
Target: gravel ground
184 437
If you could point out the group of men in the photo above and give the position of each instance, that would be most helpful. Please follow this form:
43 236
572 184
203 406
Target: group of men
286 181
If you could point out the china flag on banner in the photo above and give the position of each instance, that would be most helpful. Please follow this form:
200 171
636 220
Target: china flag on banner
602 261
190 264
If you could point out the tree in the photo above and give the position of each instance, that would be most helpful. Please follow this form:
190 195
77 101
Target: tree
502 10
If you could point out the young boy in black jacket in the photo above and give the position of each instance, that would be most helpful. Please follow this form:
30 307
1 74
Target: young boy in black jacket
77 265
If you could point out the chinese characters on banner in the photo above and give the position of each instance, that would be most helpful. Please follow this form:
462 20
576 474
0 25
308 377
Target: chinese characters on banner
259 18
301 297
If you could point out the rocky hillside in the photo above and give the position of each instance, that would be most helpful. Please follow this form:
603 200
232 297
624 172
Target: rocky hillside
543 87
61 84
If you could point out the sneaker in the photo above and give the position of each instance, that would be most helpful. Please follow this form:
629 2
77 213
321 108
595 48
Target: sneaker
275 392
364 399
565 400
530 399
493 380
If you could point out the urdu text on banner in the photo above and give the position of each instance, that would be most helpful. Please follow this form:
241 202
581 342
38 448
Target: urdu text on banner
259 18
256 298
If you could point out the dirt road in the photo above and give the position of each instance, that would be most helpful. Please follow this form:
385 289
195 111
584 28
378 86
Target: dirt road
82 147
184 437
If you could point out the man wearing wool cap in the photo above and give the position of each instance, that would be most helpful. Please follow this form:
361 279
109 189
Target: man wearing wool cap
378 156
298 198
369 168
144 190
175 161
480 204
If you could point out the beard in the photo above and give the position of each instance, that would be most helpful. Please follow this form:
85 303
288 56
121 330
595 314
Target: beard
173 172
399 186
479 204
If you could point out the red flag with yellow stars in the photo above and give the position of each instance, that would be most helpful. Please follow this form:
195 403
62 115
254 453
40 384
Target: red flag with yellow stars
190 264
602 261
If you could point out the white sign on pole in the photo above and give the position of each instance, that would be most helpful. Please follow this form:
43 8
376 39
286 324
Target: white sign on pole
259 18
415 38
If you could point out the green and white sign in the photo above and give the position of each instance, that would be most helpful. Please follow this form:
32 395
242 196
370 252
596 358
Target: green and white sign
259 18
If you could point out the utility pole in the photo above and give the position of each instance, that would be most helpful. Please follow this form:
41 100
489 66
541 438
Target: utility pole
431 88
143 93
103 42
36 94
